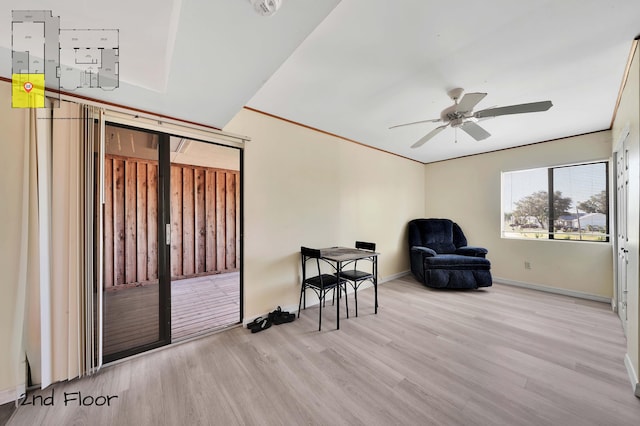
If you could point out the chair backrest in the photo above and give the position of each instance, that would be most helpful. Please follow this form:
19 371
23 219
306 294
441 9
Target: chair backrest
441 235
307 254
365 245
310 253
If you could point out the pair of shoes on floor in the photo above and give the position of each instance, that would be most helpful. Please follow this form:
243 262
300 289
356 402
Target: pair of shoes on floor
275 317
280 317
259 324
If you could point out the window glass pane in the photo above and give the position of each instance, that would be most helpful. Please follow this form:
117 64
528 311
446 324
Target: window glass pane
525 204
580 197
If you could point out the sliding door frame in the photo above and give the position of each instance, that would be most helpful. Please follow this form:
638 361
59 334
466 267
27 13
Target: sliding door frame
164 219
164 248
164 237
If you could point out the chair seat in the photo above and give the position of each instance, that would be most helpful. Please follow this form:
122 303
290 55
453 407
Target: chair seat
323 281
352 275
457 262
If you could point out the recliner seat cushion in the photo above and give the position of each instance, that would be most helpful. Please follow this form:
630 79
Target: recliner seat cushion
457 262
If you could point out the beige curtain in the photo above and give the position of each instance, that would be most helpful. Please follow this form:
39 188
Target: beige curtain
59 286
28 253
66 241
34 268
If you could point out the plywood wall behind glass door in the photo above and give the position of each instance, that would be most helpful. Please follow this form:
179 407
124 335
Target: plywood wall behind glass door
204 220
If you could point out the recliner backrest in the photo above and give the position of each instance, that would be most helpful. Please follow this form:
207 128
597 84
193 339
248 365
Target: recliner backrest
441 235
459 240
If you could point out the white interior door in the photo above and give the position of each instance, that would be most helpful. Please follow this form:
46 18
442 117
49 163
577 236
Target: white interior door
622 191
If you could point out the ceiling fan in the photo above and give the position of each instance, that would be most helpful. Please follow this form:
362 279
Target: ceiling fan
461 115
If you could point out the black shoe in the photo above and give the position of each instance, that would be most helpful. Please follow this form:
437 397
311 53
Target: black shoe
280 317
259 324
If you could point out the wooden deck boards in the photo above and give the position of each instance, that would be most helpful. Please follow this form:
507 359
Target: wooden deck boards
198 305
204 304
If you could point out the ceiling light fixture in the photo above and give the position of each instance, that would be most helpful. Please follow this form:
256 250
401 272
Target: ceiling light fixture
266 7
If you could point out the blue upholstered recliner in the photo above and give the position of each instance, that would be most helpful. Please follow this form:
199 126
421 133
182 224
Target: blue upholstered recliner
440 256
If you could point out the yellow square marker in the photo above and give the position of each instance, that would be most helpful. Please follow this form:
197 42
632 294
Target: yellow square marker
27 90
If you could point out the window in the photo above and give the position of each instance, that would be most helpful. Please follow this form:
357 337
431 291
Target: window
561 203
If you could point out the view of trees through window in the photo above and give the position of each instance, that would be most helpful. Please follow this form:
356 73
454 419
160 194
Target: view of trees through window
562 203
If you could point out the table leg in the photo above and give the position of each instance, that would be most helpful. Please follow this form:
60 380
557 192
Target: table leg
339 269
375 282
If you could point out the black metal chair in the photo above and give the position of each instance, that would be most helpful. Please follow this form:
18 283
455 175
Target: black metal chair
321 283
356 277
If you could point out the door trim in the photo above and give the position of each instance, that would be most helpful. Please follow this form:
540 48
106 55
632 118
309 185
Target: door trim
619 150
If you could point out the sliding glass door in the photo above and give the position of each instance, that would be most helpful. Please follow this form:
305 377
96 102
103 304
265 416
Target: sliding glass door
171 239
136 265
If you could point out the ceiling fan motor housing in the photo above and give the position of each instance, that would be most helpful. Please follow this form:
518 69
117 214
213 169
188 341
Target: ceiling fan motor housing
450 114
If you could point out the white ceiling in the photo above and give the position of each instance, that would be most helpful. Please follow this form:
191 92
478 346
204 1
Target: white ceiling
197 60
356 67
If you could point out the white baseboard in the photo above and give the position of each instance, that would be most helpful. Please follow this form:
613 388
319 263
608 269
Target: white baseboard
294 308
10 395
393 277
556 290
633 377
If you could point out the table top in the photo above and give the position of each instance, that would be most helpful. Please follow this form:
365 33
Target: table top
342 254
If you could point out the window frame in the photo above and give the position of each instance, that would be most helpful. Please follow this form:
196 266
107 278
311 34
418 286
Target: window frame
550 234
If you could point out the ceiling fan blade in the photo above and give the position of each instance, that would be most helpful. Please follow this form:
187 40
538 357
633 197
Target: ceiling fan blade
434 120
468 101
486 118
475 131
514 109
428 136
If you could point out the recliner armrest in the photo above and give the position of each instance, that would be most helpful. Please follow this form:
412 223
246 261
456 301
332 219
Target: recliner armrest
472 251
426 251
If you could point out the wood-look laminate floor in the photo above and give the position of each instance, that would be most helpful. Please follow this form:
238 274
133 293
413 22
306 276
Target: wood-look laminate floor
500 356
198 305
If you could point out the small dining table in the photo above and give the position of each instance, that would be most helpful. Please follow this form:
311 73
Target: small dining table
344 255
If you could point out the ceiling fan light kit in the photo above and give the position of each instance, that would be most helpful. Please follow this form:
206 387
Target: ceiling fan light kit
461 115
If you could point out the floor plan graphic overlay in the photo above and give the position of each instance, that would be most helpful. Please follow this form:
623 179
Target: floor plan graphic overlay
47 56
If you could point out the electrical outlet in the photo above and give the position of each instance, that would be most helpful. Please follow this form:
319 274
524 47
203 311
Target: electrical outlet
527 265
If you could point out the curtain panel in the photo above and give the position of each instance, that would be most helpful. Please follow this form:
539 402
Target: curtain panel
58 286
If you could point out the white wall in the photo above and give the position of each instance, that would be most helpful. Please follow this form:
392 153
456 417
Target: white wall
467 190
628 117
12 130
304 187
